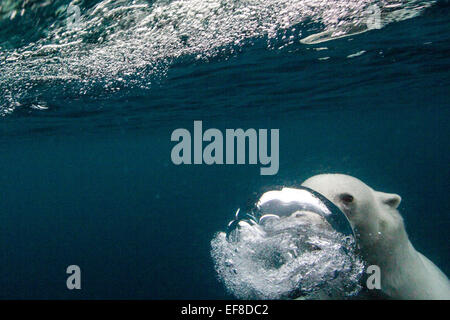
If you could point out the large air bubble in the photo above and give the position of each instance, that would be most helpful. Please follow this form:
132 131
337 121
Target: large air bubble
297 253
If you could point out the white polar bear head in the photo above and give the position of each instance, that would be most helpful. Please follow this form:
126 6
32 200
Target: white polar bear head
372 214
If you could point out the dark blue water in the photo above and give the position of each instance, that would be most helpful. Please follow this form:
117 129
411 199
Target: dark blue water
85 170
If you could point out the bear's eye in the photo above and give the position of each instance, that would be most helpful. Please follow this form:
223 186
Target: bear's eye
346 197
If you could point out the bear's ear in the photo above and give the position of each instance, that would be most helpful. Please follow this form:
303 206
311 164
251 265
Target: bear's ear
391 199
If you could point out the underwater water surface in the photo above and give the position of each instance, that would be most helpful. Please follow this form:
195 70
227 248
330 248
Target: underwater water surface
88 104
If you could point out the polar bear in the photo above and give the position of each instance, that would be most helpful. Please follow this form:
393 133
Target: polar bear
382 239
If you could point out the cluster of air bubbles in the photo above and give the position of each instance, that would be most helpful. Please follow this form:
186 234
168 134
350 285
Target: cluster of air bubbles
298 256
121 44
